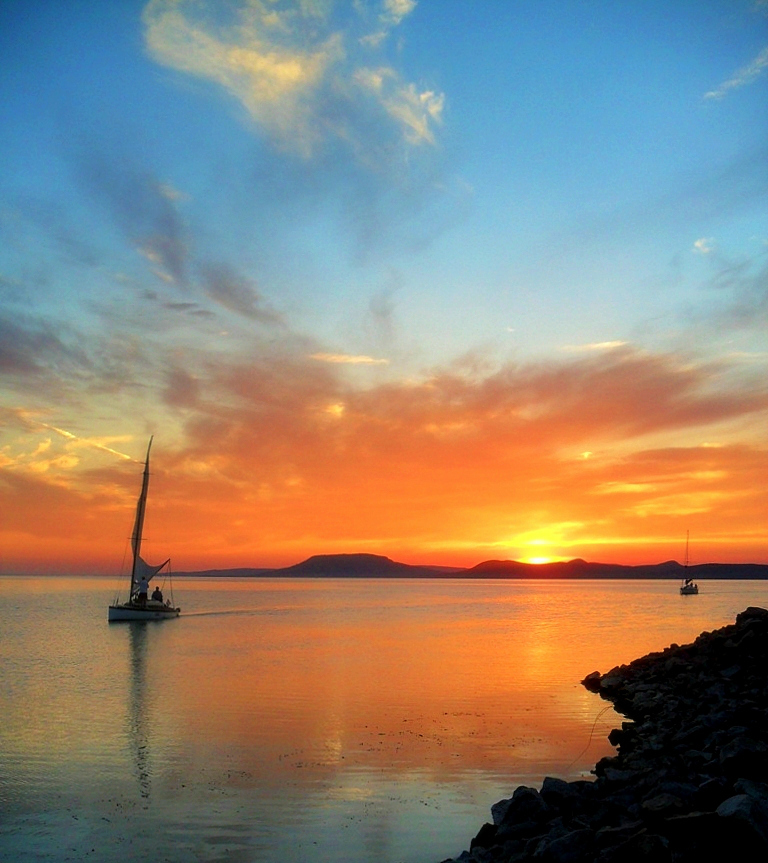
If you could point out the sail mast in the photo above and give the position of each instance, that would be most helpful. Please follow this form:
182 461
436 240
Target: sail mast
139 523
687 579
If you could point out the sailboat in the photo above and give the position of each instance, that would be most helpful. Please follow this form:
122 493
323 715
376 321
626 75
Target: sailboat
688 587
139 606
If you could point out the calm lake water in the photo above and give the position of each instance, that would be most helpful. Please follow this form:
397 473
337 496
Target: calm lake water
366 721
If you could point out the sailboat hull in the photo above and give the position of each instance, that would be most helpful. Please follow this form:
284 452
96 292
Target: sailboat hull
133 611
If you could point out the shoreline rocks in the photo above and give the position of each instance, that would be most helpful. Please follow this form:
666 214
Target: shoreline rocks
690 777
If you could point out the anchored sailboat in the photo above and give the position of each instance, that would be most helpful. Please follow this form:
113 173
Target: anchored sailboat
139 606
688 587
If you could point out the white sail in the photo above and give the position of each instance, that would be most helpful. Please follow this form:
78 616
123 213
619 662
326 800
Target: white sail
148 570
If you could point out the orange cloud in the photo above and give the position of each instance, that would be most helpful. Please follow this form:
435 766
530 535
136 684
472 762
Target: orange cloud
454 468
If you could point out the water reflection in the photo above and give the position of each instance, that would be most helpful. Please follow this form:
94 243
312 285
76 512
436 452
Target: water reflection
395 681
137 715
308 721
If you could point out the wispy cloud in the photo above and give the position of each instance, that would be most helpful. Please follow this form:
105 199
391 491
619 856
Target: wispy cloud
143 208
744 283
704 245
391 15
30 348
416 112
297 72
744 76
396 10
101 444
151 217
237 294
349 359
595 346
43 457
255 59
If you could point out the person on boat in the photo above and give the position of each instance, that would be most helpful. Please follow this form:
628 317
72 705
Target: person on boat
143 588
157 594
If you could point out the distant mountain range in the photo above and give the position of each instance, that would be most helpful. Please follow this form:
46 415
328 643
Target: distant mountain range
378 566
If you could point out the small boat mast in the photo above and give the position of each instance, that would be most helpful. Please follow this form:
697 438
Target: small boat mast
688 587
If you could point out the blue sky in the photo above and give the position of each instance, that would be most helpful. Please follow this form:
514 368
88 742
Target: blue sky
357 199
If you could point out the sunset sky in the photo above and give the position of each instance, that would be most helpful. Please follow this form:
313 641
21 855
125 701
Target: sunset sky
444 280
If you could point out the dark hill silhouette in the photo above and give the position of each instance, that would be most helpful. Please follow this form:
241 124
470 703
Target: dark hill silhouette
379 566
579 568
360 566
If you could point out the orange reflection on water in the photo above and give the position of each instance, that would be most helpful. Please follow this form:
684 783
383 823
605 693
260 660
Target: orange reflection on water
395 678
277 712
275 684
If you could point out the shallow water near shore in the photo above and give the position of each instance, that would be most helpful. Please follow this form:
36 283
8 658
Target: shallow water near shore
367 721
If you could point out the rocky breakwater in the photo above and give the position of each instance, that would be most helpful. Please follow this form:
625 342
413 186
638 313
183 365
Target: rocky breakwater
689 781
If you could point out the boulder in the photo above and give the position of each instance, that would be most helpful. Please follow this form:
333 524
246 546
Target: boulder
744 757
525 805
640 848
662 806
486 837
572 847
751 814
592 681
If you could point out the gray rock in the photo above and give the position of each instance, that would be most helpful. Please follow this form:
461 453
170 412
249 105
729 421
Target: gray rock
526 804
592 681
612 681
486 837
744 757
558 794
641 848
617 776
572 847
662 805
499 810
607 837
683 791
520 830
749 811
696 836
755 790
711 793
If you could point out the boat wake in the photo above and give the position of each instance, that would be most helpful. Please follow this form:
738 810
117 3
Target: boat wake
239 612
